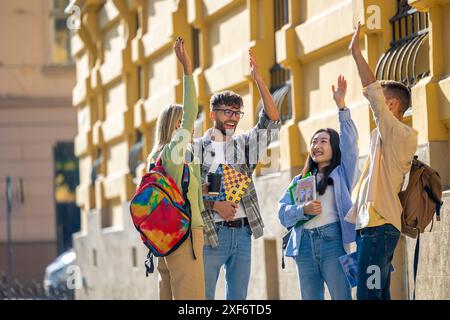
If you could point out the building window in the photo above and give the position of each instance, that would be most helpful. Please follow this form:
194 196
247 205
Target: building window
135 154
96 167
280 88
61 34
137 18
66 173
278 77
196 47
140 77
281 13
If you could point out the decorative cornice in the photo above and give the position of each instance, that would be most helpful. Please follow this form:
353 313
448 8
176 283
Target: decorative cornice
35 102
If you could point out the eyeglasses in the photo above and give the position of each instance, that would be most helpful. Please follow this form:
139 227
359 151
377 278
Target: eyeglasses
230 113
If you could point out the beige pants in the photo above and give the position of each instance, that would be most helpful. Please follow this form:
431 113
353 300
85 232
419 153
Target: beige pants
181 277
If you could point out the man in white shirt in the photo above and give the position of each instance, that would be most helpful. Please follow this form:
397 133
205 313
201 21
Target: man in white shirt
229 226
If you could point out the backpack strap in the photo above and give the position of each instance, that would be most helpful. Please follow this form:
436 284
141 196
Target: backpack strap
436 200
149 266
185 183
157 163
416 262
285 239
284 242
185 186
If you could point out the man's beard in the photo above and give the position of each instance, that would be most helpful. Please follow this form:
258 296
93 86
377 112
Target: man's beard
226 131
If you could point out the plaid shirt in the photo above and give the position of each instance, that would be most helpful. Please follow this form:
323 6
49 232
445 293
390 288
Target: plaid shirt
246 150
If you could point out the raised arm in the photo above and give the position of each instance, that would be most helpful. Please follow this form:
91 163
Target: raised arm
174 152
348 134
365 73
260 136
386 122
268 104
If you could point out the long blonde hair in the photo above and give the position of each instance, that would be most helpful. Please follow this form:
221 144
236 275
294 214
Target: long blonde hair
165 127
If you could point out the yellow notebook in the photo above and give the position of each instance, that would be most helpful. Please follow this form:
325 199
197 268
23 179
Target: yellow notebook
235 183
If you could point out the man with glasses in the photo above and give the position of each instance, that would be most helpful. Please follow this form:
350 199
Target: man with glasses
229 226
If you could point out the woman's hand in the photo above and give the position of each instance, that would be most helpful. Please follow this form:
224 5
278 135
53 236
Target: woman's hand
340 92
183 56
313 207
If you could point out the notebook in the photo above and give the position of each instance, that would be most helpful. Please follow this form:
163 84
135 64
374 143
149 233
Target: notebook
235 183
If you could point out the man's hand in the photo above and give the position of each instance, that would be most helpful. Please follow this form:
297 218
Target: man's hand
365 72
253 66
183 56
354 45
313 207
226 209
340 92
268 104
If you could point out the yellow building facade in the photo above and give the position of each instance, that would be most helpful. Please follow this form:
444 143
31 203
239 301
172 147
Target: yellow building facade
127 72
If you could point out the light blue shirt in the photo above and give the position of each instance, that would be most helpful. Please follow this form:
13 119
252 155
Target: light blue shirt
344 178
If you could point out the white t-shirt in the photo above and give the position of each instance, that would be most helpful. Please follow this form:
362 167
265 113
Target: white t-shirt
329 211
218 159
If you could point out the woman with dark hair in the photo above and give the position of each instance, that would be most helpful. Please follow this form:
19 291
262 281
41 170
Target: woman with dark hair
317 244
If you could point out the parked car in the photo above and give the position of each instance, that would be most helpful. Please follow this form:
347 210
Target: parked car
56 276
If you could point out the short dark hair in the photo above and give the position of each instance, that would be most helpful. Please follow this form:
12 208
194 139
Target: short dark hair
228 98
399 91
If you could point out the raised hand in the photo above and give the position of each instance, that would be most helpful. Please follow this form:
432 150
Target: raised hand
183 56
365 72
269 105
253 66
340 92
354 45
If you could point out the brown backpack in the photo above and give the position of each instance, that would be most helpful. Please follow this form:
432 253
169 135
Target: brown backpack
421 199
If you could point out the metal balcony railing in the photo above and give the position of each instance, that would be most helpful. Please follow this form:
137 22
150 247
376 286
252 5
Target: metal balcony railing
409 33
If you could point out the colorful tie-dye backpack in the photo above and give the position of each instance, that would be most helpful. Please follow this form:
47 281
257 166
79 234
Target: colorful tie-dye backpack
161 213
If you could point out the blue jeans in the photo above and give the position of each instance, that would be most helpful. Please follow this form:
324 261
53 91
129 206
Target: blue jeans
375 250
318 263
234 252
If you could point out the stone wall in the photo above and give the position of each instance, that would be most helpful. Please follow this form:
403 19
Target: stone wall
433 275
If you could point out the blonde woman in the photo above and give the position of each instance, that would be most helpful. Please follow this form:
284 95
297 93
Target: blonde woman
181 272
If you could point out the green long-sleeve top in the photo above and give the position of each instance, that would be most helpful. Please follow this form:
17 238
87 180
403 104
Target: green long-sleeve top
173 153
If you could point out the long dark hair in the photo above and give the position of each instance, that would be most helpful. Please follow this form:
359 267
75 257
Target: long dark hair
311 166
